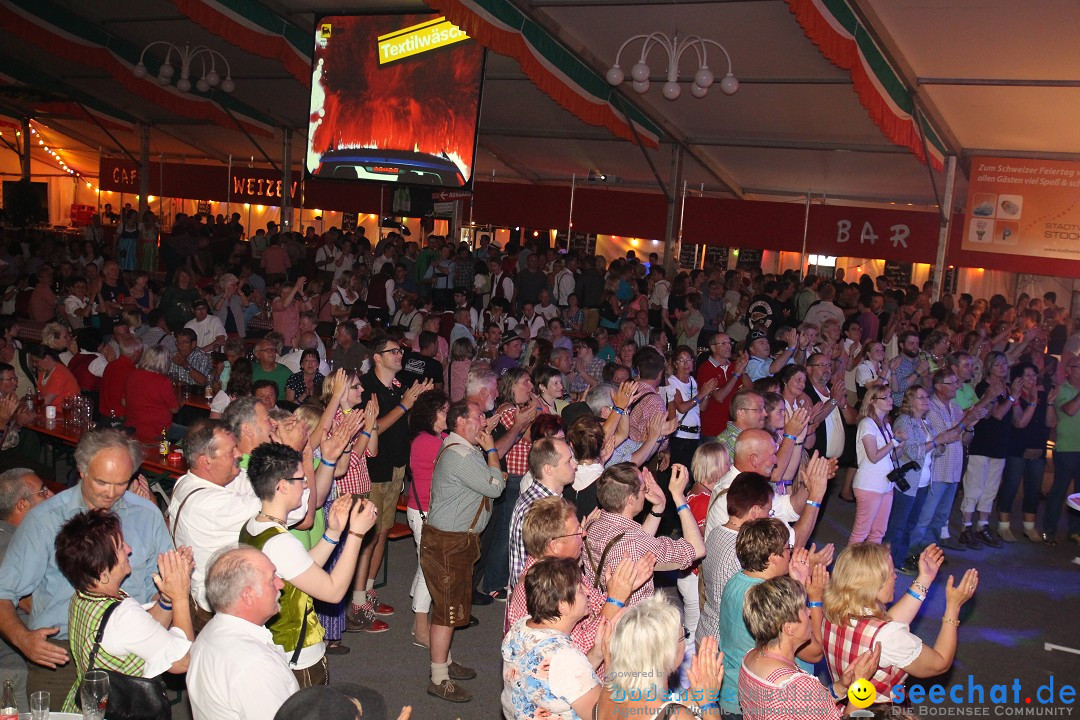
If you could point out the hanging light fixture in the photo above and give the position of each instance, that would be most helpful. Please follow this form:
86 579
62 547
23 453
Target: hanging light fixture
674 47
210 78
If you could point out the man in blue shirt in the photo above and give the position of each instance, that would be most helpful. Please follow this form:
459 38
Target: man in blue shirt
106 460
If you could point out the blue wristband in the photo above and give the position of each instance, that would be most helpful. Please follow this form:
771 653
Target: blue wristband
162 605
327 463
616 603
792 438
327 539
815 604
403 408
366 434
708 705
684 506
813 503
916 595
833 692
618 410
491 450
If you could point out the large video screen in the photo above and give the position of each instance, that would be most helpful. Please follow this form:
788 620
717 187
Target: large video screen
394 98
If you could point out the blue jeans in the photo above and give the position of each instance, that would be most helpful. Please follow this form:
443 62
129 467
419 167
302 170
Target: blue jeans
902 520
495 541
934 515
1066 473
1018 469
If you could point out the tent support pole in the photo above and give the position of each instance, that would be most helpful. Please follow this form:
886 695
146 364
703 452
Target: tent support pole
805 231
946 225
144 168
672 194
286 179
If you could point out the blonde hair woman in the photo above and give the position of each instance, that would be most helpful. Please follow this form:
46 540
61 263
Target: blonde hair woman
646 647
863 581
874 448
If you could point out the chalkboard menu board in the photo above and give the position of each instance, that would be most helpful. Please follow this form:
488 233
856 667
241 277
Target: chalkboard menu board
899 274
715 255
348 221
749 258
582 244
950 280
689 254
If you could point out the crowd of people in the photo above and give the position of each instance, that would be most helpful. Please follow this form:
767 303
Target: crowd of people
566 434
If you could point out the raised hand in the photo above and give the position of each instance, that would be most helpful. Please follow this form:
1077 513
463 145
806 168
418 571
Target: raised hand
709 387
955 596
799 566
815 587
680 478
608 448
333 445
706 672
362 516
653 494
822 557
864 666
625 394
173 576
797 422
930 561
371 413
141 487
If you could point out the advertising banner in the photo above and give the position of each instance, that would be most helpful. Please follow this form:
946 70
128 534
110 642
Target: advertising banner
1023 207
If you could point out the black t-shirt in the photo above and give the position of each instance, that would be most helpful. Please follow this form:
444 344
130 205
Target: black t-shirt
416 367
114 293
991 437
393 440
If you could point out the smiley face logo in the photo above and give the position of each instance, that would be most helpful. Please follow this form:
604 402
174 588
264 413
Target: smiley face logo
861 693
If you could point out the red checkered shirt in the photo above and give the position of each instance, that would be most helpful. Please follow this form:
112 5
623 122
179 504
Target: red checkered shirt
517 459
643 410
584 633
845 643
356 480
634 543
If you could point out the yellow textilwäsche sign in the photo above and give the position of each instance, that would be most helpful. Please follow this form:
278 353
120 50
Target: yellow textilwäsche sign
432 35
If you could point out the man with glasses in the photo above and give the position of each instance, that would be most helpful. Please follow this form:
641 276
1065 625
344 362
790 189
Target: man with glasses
715 413
20 491
948 465
747 413
387 469
833 412
267 367
107 461
189 365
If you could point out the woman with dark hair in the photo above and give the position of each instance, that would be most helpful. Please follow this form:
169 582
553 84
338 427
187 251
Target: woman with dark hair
427 423
544 673
539 354
457 375
549 382
1026 454
239 385
143 641
306 384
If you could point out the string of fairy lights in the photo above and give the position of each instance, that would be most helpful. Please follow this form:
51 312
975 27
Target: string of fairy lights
52 152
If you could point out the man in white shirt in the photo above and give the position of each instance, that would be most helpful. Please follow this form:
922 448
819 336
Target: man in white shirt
824 308
409 319
565 281
236 671
831 407
208 328
544 308
306 341
209 503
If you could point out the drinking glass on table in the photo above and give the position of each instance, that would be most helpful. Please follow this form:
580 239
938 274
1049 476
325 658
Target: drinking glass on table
94 693
66 405
39 705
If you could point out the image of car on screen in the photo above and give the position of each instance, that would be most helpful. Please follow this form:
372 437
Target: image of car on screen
410 168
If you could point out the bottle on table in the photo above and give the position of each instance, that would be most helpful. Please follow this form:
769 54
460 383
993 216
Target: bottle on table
9 708
163 448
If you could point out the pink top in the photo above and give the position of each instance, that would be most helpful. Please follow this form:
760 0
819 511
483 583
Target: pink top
425 448
456 379
787 692
287 320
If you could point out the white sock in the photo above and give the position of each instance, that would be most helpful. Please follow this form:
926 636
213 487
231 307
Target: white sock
1029 524
440 672
359 597
1003 525
370 584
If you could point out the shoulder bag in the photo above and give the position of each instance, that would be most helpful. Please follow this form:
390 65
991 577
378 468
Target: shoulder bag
130 697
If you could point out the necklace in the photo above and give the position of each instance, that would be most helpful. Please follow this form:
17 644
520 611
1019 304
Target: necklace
268 516
774 656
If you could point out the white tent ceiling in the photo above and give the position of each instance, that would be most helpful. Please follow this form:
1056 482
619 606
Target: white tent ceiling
992 75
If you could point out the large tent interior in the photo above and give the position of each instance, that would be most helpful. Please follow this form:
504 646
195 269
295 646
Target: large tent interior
822 116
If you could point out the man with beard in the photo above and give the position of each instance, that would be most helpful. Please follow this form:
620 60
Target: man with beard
910 369
832 411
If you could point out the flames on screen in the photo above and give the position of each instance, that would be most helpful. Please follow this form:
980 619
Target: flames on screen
427 103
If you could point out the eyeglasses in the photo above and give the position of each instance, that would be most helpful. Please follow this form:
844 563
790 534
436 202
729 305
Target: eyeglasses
392 351
42 491
357 386
579 533
296 479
